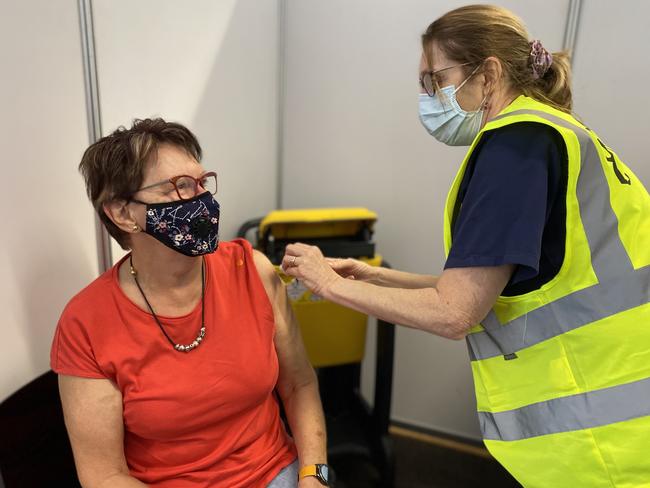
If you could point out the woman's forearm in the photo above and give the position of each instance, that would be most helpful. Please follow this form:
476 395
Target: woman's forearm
393 278
417 307
305 416
461 298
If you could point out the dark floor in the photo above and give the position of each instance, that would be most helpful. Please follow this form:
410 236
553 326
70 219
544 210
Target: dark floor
423 465
419 465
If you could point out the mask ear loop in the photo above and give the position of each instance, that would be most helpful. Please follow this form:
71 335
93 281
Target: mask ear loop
467 79
439 91
482 105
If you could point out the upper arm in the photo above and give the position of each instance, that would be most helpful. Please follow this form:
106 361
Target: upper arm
93 416
505 201
295 369
469 293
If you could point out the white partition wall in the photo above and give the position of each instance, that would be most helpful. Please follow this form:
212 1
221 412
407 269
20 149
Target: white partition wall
209 65
48 247
352 137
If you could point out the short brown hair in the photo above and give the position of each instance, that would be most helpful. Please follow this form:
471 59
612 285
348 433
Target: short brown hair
473 33
113 167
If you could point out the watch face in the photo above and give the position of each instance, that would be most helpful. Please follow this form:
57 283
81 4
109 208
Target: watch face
324 472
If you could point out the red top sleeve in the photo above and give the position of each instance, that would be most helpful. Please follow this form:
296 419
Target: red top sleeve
72 353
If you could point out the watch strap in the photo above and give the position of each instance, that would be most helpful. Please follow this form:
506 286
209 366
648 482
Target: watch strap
309 470
319 471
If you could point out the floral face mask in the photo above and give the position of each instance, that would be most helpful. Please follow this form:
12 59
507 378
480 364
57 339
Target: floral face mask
190 227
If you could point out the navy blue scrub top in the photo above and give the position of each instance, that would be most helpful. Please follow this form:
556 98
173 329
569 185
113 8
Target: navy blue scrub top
511 206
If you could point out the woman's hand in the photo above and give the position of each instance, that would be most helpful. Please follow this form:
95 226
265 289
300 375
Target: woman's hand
307 264
353 269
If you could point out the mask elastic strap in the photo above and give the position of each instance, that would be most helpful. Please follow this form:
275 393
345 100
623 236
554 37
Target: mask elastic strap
483 102
467 79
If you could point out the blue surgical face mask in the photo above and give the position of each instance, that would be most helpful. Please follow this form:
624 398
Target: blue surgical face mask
190 227
443 118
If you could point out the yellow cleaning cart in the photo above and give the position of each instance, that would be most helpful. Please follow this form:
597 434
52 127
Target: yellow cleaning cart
335 336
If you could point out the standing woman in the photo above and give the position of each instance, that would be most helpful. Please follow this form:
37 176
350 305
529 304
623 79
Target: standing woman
548 240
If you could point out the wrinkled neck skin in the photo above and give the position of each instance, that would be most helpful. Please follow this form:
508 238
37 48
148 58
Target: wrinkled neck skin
162 268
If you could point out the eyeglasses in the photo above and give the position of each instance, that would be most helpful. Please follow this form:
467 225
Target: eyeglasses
430 82
186 186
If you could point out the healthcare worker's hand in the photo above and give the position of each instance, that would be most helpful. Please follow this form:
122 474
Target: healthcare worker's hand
307 264
353 269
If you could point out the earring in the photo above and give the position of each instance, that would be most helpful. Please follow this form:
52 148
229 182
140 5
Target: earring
136 227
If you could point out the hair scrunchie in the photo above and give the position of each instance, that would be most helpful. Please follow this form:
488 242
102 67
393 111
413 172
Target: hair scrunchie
540 59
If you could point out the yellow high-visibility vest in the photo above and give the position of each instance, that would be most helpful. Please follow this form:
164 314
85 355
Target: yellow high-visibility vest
562 373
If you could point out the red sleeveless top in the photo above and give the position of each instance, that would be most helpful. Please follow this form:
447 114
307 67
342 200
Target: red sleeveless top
207 418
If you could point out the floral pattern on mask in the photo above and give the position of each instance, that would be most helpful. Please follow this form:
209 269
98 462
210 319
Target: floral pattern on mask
190 227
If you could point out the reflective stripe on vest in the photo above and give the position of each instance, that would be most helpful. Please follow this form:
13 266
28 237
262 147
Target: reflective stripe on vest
604 407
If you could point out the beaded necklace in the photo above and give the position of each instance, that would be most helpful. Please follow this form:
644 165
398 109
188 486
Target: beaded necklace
179 347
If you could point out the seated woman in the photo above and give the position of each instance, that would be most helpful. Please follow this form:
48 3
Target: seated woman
168 362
